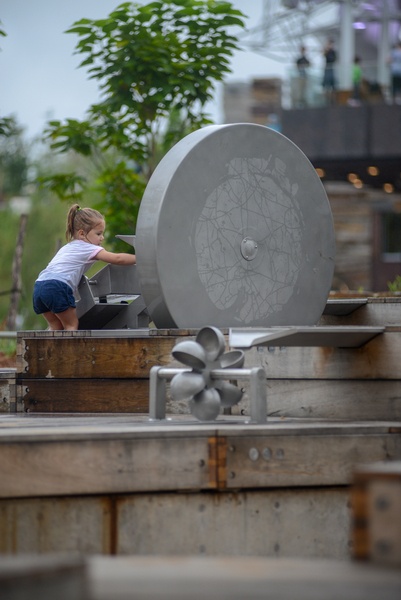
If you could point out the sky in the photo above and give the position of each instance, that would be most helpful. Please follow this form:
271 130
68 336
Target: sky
39 75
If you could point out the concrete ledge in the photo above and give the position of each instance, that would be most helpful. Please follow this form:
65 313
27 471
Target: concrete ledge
218 578
47 577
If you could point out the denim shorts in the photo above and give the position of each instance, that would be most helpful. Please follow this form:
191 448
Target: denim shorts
53 296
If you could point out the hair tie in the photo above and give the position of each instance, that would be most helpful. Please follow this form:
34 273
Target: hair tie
79 208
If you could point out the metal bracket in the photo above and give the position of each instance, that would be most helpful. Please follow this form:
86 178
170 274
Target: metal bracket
160 375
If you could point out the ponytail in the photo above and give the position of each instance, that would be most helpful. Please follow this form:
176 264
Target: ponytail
81 218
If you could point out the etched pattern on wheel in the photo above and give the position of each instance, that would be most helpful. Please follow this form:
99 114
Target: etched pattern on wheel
248 239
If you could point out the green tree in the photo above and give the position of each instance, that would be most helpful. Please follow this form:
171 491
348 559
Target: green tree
156 66
13 158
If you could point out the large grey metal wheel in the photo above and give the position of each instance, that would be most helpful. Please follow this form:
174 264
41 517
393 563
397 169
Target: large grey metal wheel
235 229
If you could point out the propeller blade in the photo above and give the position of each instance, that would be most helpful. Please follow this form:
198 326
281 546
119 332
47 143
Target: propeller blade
190 353
233 359
185 385
213 342
205 406
229 393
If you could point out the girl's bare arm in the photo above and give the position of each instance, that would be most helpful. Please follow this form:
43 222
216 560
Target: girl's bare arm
114 258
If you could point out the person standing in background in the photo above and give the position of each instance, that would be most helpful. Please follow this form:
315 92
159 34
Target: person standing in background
329 79
395 72
303 64
356 81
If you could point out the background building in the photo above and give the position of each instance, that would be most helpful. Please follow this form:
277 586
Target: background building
354 146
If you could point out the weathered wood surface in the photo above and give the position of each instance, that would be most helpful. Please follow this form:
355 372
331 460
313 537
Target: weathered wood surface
321 399
8 393
84 395
70 455
48 358
376 514
277 523
378 359
76 357
330 399
220 578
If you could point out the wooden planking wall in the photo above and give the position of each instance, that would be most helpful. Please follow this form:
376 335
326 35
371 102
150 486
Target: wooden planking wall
306 522
114 486
83 374
62 457
8 393
74 373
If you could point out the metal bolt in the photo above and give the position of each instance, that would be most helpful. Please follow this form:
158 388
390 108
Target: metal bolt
231 475
280 453
231 448
382 503
266 453
253 454
201 462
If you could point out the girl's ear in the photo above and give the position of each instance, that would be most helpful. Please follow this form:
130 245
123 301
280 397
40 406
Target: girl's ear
80 234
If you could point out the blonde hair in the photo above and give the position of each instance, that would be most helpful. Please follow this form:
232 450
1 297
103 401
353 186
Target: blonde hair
81 218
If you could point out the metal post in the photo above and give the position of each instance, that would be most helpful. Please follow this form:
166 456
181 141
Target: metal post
157 394
258 395
383 74
347 46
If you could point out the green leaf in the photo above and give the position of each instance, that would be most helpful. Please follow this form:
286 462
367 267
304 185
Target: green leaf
151 62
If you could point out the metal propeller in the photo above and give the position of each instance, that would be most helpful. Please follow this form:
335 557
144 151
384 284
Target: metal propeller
205 395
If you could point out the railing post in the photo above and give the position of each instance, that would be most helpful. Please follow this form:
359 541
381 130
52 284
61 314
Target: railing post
157 395
258 401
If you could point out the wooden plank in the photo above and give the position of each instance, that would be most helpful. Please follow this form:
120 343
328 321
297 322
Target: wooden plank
100 358
385 521
325 399
84 395
280 461
8 393
379 359
21 427
76 525
53 358
275 523
321 399
104 459
90 466
296 522
237 578
376 516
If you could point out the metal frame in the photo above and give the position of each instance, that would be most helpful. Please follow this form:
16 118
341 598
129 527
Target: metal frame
257 378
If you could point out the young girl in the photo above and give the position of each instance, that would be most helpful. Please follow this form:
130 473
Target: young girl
54 290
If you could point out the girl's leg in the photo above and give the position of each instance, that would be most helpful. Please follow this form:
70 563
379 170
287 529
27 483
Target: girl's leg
54 322
69 319
66 320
